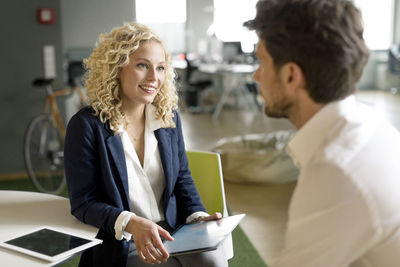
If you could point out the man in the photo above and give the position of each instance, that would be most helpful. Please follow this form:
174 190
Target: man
345 210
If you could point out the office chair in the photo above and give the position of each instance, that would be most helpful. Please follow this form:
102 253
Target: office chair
253 89
75 72
206 171
394 59
194 88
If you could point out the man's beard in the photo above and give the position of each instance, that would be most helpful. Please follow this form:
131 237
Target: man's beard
280 110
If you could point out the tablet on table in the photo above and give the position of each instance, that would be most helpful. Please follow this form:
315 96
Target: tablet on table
49 244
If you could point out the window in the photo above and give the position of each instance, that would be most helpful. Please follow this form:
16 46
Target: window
161 11
378 22
229 16
378 16
167 19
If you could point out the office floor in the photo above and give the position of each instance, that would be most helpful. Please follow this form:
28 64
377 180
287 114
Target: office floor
265 205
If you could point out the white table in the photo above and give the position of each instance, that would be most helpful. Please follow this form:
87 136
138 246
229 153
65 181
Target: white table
230 77
22 211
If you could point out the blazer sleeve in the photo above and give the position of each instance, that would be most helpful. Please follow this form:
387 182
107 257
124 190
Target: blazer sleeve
88 174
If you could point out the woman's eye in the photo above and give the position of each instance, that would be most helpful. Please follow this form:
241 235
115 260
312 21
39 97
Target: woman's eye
142 65
161 68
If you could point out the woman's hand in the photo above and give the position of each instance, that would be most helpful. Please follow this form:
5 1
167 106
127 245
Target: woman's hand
147 239
215 216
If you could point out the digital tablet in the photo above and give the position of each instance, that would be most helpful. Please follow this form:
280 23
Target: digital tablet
49 244
203 236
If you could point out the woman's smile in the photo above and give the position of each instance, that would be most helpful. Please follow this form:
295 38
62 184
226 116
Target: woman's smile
148 88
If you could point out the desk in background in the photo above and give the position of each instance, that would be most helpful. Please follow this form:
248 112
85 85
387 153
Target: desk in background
228 79
22 211
231 78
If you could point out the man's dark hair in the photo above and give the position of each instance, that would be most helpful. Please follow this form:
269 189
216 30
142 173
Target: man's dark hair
324 37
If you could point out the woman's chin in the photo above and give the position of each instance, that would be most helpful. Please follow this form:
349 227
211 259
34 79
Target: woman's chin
148 100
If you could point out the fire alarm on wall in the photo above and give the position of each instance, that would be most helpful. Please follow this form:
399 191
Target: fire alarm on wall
46 15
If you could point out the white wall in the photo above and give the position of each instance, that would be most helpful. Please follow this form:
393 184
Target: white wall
84 20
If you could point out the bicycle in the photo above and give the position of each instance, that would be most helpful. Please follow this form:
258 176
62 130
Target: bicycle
44 141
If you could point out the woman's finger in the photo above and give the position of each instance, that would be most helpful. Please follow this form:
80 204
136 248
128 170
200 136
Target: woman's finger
164 233
148 255
215 216
155 253
157 242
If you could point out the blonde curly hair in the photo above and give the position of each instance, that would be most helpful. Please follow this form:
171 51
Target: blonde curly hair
110 55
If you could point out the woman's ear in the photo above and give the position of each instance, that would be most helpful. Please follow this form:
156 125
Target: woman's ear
292 76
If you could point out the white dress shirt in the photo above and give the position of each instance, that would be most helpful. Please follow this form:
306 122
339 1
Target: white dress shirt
147 183
345 210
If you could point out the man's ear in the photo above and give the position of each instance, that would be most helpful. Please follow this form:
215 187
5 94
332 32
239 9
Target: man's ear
292 76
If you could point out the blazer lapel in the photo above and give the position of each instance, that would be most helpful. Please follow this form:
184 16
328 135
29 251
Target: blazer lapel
116 149
164 146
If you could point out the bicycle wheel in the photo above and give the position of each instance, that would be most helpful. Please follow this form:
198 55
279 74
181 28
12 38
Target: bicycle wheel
44 155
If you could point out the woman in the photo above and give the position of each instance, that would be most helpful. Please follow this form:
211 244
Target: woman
125 161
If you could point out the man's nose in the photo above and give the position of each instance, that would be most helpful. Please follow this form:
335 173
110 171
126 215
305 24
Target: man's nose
256 75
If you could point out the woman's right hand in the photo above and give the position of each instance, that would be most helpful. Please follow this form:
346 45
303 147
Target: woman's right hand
147 239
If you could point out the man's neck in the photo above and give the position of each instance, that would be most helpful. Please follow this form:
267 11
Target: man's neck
304 109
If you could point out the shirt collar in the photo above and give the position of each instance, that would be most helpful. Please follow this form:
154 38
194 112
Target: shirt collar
151 122
308 138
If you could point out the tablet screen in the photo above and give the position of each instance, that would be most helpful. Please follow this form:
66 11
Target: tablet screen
49 244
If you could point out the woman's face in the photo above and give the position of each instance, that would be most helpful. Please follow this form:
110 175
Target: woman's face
142 79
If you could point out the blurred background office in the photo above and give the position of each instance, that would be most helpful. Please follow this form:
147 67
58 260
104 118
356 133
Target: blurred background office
197 29
212 54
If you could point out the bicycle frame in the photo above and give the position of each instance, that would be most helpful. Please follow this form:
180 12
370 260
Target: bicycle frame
51 106
44 141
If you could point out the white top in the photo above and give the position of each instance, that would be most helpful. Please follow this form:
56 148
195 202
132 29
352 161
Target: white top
345 210
147 183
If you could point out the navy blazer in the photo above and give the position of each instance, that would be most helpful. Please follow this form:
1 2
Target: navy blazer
97 182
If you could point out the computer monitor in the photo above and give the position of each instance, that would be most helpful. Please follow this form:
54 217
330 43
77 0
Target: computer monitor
231 51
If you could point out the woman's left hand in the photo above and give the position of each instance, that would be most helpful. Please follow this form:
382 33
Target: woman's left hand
215 216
